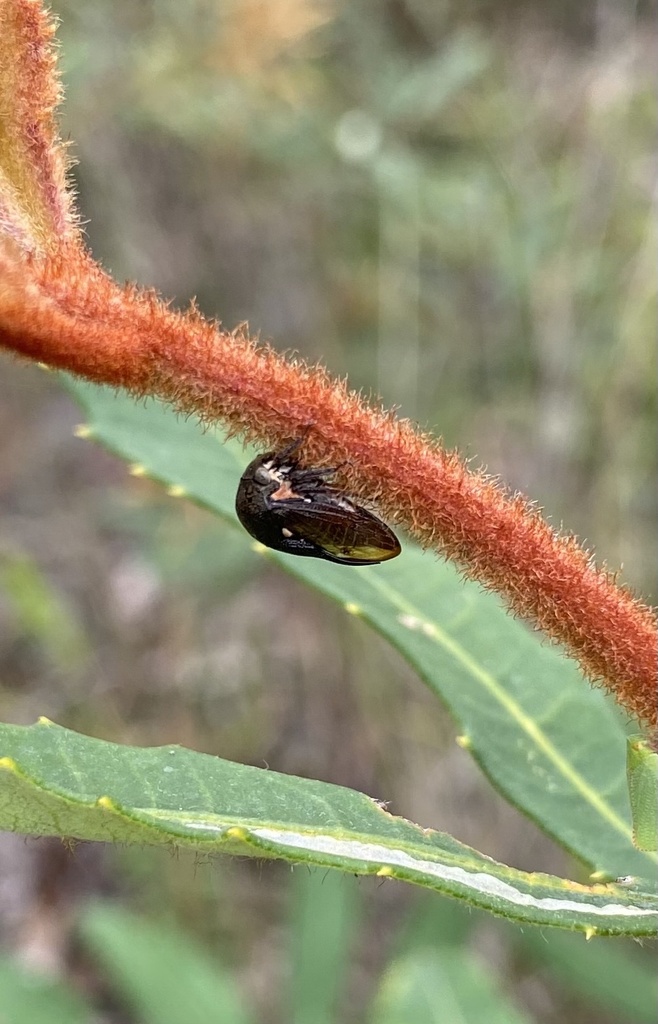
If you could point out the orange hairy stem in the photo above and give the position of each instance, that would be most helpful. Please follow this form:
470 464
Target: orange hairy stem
58 307
36 209
67 313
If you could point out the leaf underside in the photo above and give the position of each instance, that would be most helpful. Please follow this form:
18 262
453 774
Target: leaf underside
54 781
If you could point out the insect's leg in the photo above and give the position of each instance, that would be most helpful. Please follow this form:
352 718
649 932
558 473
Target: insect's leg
311 479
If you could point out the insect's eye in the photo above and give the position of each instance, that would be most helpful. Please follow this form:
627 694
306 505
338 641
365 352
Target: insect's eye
262 475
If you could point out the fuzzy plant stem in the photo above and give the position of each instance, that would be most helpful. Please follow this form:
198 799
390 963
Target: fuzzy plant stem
58 307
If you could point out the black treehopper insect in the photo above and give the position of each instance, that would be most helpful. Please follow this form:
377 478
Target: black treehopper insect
292 509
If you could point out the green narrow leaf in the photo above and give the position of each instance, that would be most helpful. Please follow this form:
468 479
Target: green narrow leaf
601 974
642 771
29 998
57 782
40 611
164 976
543 736
436 922
325 906
441 985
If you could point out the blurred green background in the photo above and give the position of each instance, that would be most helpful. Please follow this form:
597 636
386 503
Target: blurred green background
449 204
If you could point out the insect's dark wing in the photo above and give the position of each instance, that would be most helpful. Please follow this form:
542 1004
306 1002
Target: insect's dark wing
344 532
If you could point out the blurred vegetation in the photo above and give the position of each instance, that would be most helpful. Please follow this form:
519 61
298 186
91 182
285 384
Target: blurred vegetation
450 205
